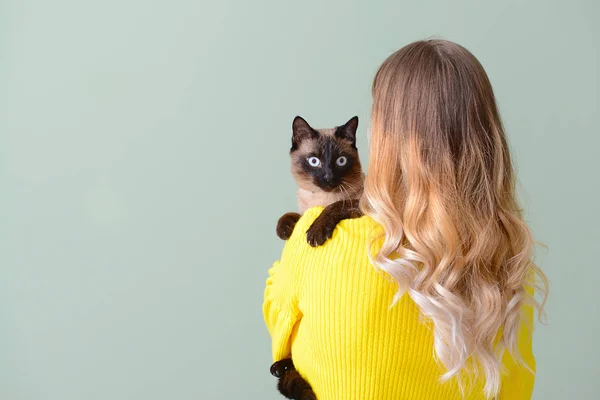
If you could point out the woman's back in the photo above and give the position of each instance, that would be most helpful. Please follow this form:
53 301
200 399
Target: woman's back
331 309
453 249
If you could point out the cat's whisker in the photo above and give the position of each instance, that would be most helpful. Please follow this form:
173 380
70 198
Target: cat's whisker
348 189
345 191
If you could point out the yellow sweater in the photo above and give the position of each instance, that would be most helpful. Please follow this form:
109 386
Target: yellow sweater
330 309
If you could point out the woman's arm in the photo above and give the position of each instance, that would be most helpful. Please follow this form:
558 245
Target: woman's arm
280 306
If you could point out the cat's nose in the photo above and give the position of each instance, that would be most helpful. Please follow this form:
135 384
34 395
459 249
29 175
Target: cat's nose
328 177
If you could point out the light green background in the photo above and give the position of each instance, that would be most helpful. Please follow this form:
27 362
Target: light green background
143 165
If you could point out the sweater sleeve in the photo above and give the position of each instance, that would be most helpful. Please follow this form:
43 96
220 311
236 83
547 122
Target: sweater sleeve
280 304
518 383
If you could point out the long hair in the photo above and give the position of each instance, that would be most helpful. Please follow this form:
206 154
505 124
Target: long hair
442 185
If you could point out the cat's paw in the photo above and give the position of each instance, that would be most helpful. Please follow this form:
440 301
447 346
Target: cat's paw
286 224
281 367
319 232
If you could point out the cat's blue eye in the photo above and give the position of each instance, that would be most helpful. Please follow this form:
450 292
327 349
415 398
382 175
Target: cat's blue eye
341 161
314 161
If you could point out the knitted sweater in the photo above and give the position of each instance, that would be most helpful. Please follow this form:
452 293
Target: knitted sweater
329 309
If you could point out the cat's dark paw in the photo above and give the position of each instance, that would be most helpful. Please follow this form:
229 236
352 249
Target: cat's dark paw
293 386
286 224
281 367
320 231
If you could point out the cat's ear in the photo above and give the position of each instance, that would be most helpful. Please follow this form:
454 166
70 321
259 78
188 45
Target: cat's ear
348 130
301 130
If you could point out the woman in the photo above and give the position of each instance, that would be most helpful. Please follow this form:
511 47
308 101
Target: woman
429 295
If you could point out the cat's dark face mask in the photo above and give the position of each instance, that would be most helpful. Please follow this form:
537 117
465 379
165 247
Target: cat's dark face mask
325 159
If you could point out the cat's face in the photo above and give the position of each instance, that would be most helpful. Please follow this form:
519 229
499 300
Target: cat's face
325 159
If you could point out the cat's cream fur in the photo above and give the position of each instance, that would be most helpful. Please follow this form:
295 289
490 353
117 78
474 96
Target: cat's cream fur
308 199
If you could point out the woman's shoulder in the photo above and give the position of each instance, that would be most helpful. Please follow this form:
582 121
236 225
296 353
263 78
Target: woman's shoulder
361 227
351 240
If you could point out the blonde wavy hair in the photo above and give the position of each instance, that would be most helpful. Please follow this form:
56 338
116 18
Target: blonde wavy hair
441 184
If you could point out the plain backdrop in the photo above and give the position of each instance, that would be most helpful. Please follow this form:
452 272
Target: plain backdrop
144 163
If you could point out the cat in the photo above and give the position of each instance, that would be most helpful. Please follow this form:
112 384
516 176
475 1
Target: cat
327 170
